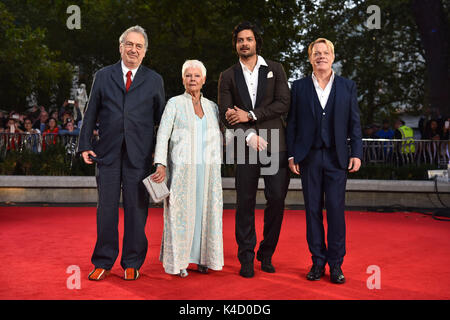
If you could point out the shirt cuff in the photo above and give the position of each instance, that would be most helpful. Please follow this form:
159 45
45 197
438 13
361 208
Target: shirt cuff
247 138
290 158
253 114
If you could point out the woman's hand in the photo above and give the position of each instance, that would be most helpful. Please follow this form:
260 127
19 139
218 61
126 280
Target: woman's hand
160 174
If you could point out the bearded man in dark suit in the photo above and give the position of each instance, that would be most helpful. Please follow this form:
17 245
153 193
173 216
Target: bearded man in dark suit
254 97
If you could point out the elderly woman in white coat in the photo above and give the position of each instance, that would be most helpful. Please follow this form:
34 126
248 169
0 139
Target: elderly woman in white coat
188 156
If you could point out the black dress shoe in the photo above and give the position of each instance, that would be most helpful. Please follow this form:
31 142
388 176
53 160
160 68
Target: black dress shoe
315 273
247 270
267 266
336 275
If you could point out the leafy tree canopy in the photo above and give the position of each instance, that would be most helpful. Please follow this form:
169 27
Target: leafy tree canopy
388 64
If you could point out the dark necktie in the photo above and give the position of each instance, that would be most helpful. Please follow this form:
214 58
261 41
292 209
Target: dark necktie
128 80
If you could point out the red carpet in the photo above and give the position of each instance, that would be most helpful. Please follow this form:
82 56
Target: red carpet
38 244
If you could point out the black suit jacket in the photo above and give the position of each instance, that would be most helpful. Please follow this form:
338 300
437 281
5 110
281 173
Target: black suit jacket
272 99
301 124
123 116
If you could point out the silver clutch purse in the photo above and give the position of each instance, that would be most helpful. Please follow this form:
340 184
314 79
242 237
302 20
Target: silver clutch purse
158 191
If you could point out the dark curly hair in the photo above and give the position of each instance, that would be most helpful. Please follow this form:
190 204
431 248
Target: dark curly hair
246 25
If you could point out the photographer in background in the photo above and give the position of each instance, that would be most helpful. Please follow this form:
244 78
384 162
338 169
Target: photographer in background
13 125
13 138
69 128
71 106
66 117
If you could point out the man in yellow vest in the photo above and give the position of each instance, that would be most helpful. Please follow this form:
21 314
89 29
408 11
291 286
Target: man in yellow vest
407 135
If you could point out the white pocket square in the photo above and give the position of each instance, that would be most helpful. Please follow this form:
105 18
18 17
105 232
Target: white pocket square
270 75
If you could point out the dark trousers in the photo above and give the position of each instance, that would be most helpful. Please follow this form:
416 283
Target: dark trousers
275 189
121 176
324 182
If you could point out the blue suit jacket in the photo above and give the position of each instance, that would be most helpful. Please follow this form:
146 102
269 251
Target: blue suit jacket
301 123
121 115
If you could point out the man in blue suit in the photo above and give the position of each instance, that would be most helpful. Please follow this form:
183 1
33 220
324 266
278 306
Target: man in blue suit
126 101
323 115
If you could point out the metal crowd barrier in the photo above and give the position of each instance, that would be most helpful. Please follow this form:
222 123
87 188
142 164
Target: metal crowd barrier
375 151
399 152
36 142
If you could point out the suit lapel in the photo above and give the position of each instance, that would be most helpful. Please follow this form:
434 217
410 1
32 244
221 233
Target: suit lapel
138 78
337 100
117 76
312 92
242 87
262 80
337 90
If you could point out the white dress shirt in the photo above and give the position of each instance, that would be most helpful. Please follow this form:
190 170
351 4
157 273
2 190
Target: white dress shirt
323 94
125 71
251 80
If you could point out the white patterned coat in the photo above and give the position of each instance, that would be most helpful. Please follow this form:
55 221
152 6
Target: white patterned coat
176 148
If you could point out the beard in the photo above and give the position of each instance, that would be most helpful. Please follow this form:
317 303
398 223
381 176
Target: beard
248 54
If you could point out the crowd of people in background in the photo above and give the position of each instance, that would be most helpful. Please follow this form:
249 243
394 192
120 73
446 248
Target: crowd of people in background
433 130
429 129
38 121
65 120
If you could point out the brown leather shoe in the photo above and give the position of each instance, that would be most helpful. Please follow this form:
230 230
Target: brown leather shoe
98 274
131 274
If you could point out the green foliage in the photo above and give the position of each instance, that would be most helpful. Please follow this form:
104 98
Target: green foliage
28 66
177 30
54 161
387 64
38 51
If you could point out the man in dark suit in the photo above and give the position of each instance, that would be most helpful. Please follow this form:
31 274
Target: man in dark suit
254 96
323 115
126 101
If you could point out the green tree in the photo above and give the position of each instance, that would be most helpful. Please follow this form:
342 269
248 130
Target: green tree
387 64
433 25
177 30
28 66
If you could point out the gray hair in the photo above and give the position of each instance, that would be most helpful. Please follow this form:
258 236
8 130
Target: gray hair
193 64
137 29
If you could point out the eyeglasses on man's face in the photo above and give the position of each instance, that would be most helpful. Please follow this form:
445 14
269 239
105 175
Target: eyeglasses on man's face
130 45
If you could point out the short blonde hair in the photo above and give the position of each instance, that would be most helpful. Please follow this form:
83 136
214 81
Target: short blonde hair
193 64
328 43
